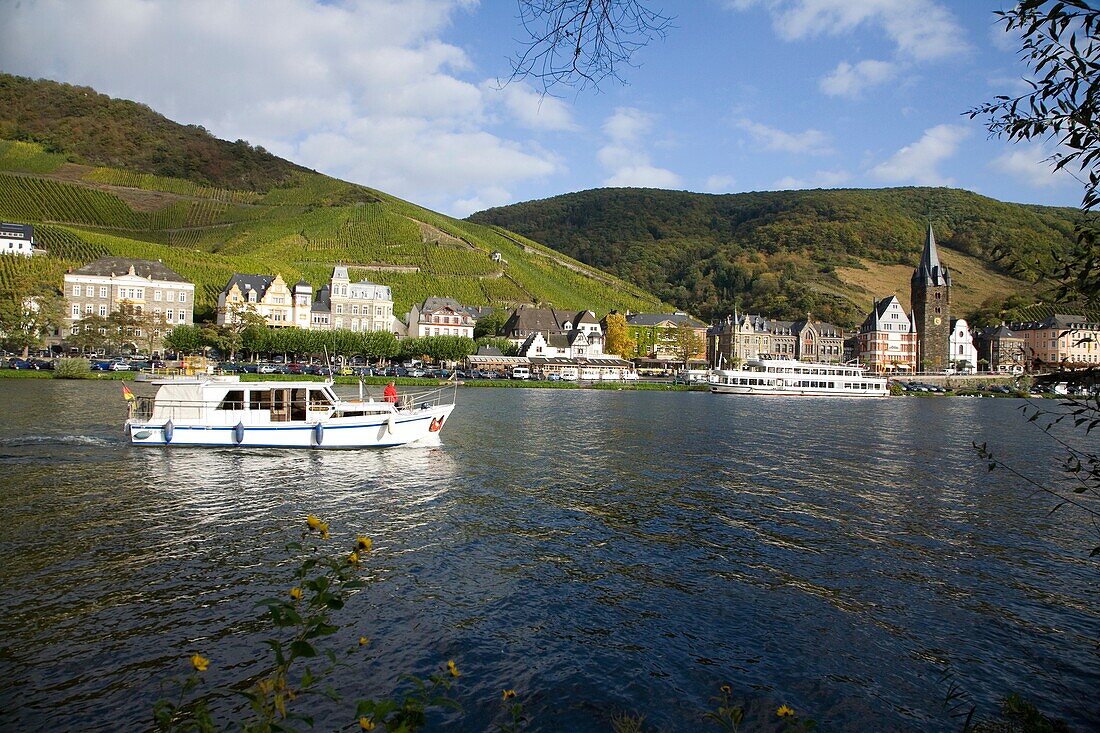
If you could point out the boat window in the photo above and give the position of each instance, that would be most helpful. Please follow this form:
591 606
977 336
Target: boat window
298 404
259 399
318 400
233 400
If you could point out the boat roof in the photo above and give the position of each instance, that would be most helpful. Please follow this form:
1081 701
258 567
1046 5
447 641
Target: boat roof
232 381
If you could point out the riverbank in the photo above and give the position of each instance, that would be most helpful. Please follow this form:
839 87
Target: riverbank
382 381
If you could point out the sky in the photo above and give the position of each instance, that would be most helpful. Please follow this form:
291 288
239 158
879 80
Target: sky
412 97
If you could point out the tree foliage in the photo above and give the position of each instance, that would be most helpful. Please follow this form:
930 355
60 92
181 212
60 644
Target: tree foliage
617 337
1059 45
28 313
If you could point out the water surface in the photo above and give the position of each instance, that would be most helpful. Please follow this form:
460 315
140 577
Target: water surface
599 552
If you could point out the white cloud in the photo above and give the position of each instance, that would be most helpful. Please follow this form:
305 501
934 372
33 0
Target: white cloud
719 184
919 29
624 154
365 91
809 142
531 109
1030 165
848 80
486 198
820 179
917 163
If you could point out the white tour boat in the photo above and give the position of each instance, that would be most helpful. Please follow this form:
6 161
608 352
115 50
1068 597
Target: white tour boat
790 377
223 411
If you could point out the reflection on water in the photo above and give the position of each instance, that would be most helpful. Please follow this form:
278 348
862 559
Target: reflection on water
597 551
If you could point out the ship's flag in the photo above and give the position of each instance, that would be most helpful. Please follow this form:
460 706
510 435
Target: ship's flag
126 393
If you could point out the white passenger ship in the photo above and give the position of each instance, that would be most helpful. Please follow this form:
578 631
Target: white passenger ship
790 377
223 411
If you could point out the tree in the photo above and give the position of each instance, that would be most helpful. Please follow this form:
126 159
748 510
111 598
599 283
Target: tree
123 325
28 314
490 324
1059 44
579 43
185 339
618 337
686 343
89 333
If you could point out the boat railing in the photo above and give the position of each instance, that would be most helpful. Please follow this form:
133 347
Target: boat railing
444 395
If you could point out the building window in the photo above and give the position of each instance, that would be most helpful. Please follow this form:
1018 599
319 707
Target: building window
156 295
183 297
103 311
76 310
88 308
103 291
76 291
170 314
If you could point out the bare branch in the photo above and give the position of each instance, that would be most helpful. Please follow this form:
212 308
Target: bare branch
580 43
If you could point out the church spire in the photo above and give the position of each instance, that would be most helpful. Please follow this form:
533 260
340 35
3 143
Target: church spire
930 269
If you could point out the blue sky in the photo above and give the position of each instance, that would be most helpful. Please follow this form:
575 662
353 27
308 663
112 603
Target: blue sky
742 95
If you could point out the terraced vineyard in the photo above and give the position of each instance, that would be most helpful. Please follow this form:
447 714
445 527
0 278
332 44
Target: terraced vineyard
298 230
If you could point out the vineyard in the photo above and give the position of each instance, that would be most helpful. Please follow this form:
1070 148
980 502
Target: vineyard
300 230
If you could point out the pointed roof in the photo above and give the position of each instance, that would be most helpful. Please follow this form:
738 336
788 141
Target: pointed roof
930 269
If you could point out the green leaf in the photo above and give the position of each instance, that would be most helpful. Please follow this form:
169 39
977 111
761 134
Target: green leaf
301 648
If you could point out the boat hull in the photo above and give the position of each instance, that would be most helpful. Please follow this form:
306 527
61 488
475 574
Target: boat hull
375 431
794 391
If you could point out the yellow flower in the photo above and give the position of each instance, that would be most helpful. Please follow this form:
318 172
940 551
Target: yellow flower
296 593
508 694
199 662
364 543
366 723
784 711
313 522
324 530
452 668
353 558
726 690
363 641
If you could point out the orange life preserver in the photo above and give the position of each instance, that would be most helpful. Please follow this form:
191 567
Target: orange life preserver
435 426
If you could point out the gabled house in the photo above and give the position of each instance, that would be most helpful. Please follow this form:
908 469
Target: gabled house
441 317
888 338
582 333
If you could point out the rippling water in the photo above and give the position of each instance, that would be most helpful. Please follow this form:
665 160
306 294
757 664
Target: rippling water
599 552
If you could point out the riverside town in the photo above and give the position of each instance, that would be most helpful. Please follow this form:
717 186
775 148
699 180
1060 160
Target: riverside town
122 312
550 366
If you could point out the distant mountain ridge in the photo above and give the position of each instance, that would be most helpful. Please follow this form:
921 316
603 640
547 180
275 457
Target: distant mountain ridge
69 165
786 253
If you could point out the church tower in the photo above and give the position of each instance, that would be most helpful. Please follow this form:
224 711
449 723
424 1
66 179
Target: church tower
930 297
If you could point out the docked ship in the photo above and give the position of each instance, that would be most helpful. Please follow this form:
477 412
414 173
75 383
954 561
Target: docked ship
223 411
796 378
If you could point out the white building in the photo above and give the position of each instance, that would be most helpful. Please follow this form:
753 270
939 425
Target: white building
17 239
962 347
101 287
440 317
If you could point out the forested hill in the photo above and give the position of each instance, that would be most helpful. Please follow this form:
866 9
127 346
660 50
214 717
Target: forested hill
94 129
786 253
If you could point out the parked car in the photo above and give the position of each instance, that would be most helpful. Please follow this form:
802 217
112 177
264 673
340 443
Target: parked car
17 363
101 365
120 366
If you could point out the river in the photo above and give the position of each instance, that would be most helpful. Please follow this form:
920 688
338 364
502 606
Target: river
600 552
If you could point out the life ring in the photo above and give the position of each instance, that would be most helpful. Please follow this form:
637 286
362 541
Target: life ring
435 426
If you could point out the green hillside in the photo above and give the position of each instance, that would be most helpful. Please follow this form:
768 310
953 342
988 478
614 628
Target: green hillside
788 252
300 227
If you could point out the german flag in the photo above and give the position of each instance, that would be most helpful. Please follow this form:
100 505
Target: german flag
127 394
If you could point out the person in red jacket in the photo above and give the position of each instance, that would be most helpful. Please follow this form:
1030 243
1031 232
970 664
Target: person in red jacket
389 394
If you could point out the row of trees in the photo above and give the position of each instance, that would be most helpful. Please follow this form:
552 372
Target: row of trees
254 340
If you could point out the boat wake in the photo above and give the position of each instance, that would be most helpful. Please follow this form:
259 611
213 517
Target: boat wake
47 440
